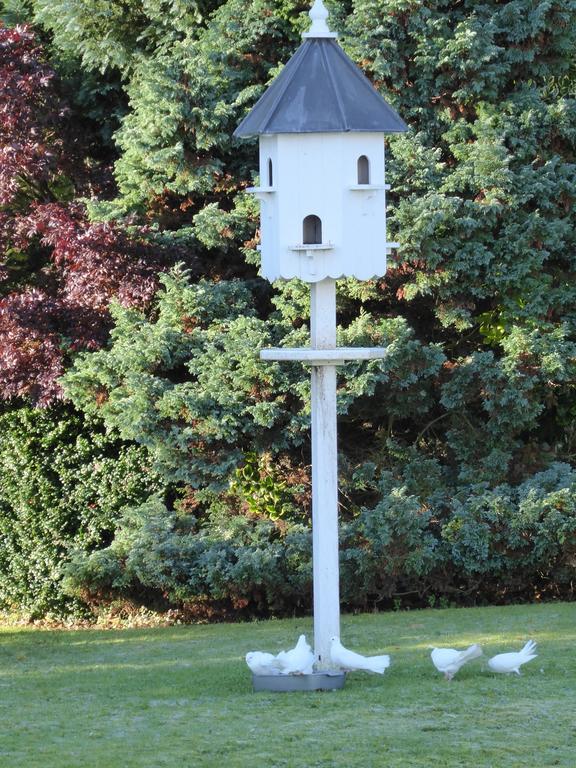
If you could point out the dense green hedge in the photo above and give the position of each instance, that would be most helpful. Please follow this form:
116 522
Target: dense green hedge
187 385
482 544
62 482
477 544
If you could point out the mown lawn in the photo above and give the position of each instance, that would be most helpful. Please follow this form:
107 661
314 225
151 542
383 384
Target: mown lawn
182 697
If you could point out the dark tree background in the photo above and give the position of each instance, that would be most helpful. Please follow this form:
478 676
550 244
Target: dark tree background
116 126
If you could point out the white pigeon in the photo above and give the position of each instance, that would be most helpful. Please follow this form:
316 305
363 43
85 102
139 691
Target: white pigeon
350 660
511 662
449 661
262 663
298 660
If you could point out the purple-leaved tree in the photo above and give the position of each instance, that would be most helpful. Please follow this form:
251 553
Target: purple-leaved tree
58 270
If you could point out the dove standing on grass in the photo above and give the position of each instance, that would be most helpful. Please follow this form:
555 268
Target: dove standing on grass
449 661
262 663
511 662
297 661
349 660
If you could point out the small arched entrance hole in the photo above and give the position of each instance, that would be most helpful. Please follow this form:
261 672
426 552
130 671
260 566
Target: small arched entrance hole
363 170
311 230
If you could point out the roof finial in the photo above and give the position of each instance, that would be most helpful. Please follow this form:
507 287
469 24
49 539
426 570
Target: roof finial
319 28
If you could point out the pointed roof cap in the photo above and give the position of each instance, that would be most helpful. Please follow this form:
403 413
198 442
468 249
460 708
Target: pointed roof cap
319 16
320 90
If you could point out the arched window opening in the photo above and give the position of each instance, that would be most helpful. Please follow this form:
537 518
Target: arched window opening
270 173
311 230
363 170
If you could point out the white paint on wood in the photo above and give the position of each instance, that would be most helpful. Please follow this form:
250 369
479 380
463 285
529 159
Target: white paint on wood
366 187
323 314
315 226
319 15
316 174
337 356
256 191
324 475
312 247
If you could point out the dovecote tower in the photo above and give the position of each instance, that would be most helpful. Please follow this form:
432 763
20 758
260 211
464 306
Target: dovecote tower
321 127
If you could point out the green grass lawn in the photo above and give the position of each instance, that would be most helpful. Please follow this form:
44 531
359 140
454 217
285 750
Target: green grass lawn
182 696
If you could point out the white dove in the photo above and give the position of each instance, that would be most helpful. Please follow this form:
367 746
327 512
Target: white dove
298 660
350 660
449 661
262 663
511 662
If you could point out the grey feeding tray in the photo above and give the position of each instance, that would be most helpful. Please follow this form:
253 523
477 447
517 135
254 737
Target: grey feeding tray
317 681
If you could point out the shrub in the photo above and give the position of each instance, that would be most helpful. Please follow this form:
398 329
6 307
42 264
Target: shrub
251 565
477 307
63 482
58 270
504 544
470 544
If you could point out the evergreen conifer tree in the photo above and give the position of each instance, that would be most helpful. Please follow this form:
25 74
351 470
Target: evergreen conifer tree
482 203
478 304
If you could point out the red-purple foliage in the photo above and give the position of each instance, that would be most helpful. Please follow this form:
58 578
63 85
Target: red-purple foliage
30 356
58 270
31 151
90 264
96 261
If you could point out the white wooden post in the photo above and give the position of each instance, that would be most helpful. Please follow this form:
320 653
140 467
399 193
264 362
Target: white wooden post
324 474
323 356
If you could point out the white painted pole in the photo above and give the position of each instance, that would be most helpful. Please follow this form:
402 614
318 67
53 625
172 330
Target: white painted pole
324 474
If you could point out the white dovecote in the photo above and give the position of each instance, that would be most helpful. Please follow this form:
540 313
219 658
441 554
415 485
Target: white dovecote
321 127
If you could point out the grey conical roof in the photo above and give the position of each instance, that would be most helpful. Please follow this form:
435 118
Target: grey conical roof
320 90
